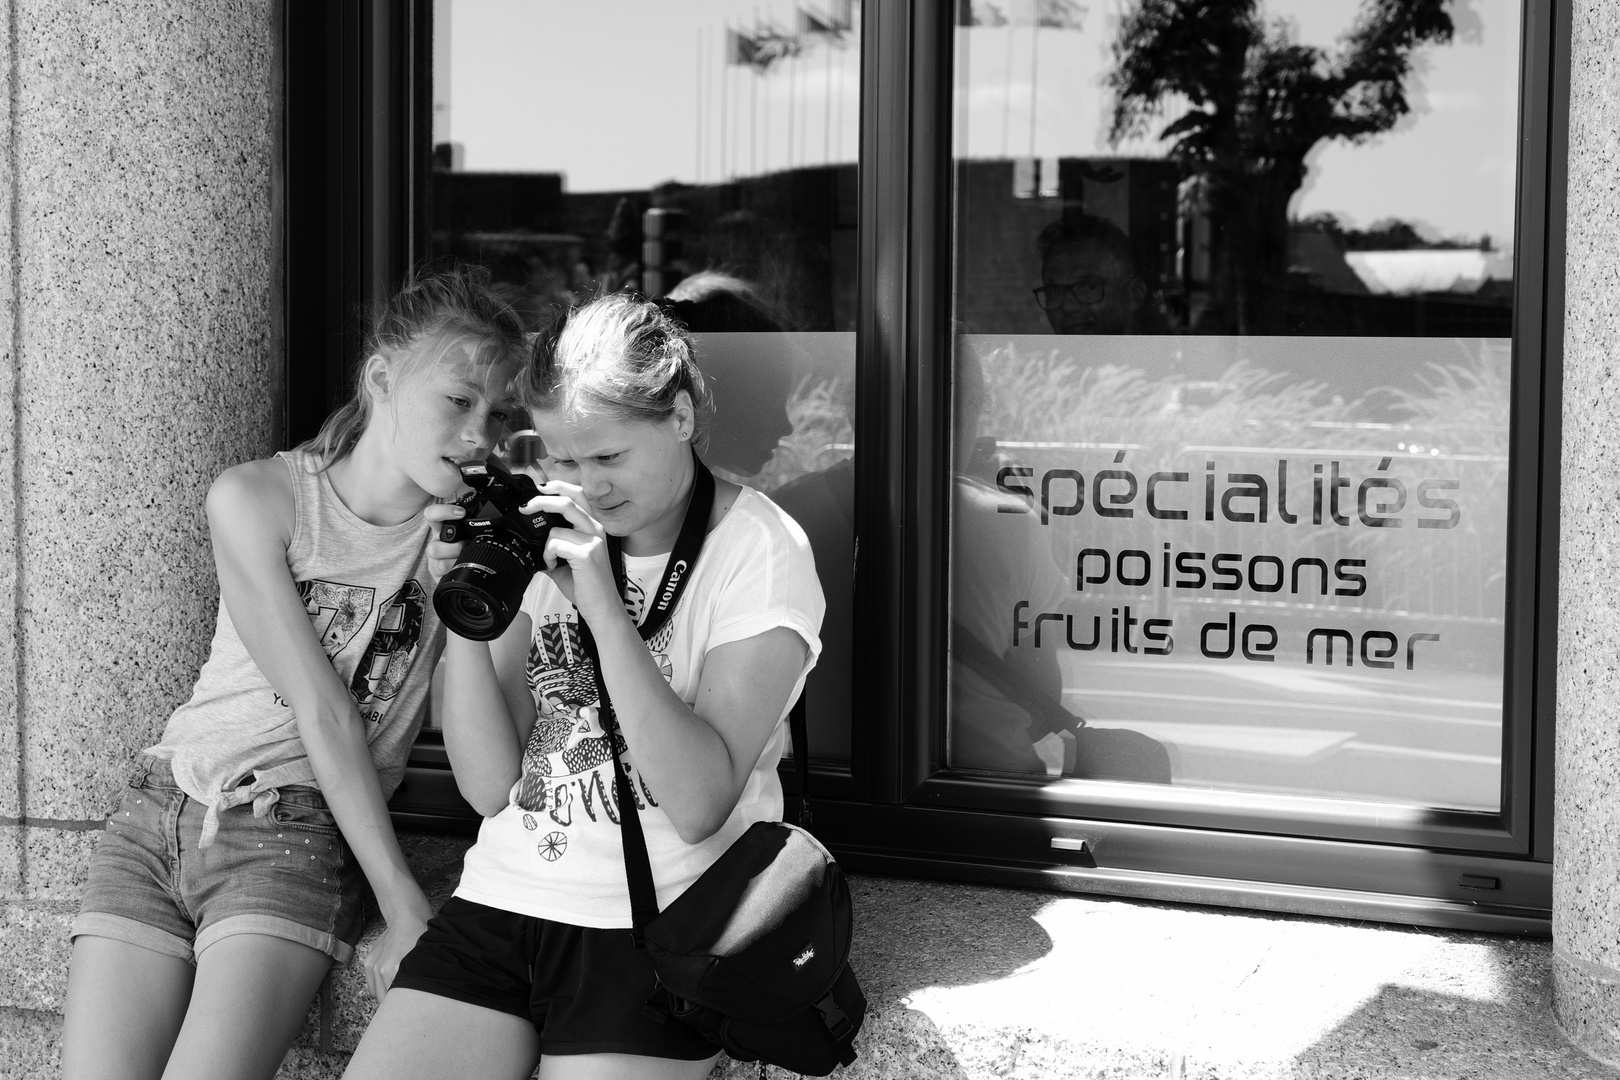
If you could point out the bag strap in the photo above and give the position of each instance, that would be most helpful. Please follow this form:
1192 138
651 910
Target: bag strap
677 574
678 571
1046 713
801 759
637 865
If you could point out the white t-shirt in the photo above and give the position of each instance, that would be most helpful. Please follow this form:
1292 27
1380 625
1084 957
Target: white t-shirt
555 851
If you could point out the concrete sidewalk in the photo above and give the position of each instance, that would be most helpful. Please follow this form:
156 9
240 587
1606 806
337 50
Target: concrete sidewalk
970 981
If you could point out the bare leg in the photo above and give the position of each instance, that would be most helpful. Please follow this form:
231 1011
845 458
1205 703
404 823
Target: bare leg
622 1067
125 1005
251 996
418 1036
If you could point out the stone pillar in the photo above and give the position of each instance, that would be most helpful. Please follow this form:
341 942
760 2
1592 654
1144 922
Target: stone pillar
1586 861
137 250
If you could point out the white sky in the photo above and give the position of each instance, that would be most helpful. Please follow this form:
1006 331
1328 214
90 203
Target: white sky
608 93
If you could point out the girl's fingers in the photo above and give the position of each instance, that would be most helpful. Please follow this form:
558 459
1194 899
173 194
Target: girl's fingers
573 547
439 512
441 555
570 510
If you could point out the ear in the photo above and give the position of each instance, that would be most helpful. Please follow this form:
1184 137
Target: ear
377 377
685 416
1139 293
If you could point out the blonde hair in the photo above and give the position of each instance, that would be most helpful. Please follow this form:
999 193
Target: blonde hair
435 310
620 357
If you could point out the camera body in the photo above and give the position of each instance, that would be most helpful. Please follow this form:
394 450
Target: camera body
503 548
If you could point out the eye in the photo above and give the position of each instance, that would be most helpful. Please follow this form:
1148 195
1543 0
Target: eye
500 416
608 458
563 463
460 402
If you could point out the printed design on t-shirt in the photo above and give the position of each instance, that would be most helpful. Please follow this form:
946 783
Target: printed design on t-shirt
567 761
387 659
336 611
635 598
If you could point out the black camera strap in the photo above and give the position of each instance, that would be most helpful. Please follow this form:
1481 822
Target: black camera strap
694 527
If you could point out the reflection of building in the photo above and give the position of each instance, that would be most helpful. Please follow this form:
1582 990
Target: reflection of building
791 234
1003 205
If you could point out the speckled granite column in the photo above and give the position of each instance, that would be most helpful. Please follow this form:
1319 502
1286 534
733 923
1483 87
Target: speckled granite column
1586 866
136 248
10 760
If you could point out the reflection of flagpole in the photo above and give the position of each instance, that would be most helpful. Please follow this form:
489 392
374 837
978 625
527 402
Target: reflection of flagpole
724 80
754 104
697 122
826 107
838 112
1006 97
1034 62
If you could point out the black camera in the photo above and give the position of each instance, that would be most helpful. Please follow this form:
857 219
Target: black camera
480 595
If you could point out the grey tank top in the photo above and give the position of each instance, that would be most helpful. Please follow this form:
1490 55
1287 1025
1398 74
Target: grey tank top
368 594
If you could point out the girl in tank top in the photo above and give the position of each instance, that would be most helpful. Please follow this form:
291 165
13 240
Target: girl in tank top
230 878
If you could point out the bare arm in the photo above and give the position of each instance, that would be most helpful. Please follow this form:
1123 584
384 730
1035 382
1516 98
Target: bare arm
250 515
481 695
483 703
698 759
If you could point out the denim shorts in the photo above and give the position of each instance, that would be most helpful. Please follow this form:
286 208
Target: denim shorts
287 875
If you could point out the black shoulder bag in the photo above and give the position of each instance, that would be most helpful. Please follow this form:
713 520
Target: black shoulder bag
755 954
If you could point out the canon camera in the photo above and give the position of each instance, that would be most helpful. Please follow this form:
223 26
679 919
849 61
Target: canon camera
480 595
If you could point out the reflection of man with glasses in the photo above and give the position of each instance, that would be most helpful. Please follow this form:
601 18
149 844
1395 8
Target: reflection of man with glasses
1089 284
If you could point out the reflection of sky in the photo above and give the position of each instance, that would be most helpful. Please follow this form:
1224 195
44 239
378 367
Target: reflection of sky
608 93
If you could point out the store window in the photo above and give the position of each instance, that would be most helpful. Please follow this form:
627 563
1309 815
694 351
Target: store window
1207 365
1234 300
699 153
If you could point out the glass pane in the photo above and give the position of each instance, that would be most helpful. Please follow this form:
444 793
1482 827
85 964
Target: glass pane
1234 291
704 153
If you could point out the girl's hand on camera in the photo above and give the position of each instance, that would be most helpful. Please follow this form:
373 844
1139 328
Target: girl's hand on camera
441 556
577 557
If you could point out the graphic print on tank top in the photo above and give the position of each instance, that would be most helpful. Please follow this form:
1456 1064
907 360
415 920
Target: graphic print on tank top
567 776
336 611
387 659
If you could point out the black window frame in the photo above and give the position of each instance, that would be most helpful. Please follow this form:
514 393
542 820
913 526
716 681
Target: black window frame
355 201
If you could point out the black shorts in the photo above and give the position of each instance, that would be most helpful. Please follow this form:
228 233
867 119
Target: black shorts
583 989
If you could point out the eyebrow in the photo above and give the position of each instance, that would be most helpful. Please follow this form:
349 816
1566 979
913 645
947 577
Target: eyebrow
482 390
607 451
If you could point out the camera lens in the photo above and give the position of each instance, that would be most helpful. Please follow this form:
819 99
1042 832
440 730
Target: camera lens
481 594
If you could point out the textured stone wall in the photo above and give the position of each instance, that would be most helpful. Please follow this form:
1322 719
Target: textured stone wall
1586 866
136 258
10 760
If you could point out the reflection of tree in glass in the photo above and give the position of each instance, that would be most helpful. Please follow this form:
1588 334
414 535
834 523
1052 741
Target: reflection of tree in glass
823 433
1259 102
1462 412
1046 396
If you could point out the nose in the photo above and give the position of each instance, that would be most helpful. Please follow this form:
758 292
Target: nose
594 484
479 434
